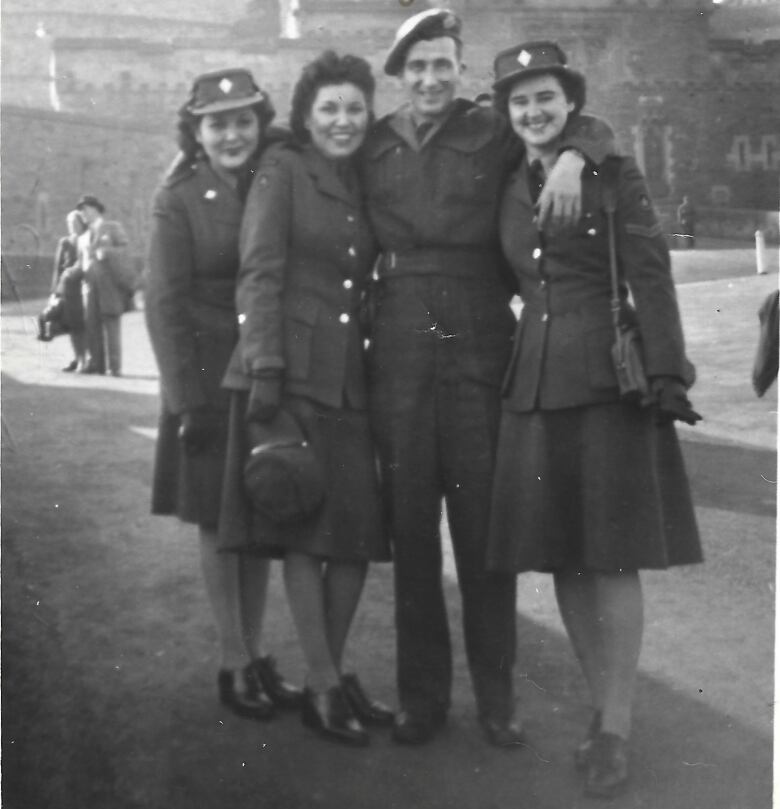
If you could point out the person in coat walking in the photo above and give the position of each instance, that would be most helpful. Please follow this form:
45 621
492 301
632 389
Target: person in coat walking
306 254
587 486
66 283
103 255
190 314
441 338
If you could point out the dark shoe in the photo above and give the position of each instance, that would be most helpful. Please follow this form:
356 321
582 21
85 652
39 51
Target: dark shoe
582 751
282 693
608 766
503 733
409 728
91 369
328 713
71 367
367 710
238 690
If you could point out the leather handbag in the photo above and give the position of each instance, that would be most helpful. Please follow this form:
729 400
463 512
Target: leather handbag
627 354
282 476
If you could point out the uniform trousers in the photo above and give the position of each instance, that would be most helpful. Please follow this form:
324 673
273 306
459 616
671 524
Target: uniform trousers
104 335
436 428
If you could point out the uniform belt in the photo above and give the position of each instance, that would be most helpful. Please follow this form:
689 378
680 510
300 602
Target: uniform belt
451 261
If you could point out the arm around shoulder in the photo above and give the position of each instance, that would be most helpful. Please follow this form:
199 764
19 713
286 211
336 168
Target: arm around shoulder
592 136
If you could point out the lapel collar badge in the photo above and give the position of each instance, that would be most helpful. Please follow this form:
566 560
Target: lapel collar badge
225 85
210 194
524 58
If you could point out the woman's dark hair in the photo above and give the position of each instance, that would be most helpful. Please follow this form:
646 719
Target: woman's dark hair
326 70
572 83
188 124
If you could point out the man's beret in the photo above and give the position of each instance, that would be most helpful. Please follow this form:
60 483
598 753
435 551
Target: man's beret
429 24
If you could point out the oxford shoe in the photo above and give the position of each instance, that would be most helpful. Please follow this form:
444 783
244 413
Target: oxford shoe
607 774
367 710
238 690
329 714
416 729
503 733
281 692
582 751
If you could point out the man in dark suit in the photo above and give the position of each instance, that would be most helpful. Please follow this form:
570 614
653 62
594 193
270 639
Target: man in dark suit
441 341
104 260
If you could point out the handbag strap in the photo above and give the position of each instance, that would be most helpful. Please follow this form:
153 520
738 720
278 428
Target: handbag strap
609 183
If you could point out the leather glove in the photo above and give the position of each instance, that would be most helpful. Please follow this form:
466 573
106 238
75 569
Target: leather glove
671 401
265 397
197 428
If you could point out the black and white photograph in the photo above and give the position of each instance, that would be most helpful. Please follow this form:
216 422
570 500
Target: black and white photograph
389 403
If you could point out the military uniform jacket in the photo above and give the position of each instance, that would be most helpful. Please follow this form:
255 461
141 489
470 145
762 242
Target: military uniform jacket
445 194
190 290
561 355
306 255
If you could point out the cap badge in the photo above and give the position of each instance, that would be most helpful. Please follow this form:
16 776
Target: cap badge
524 58
449 22
225 85
210 194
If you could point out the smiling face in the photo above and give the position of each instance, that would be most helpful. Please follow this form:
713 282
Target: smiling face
229 138
431 77
338 120
538 110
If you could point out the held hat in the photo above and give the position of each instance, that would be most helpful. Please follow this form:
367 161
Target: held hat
91 201
282 476
533 58
429 24
224 90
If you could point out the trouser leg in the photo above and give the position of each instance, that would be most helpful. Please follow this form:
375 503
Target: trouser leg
469 413
413 498
94 329
113 332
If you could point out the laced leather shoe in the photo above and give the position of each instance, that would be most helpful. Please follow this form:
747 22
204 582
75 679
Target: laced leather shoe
607 774
367 710
503 733
282 693
239 691
329 714
414 729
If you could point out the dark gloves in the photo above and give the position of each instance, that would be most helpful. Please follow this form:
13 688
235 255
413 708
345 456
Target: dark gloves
671 401
265 396
197 429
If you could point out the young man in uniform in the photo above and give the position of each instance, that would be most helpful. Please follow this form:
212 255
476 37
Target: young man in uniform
442 326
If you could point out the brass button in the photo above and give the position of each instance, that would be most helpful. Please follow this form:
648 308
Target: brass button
348 284
350 217
344 318
545 317
352 251
537 253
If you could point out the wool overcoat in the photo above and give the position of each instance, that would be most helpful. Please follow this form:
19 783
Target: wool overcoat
190 315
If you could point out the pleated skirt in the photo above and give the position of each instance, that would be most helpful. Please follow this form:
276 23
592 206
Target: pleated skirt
599 488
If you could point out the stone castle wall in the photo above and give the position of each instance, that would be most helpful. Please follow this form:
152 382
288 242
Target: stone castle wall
699 115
